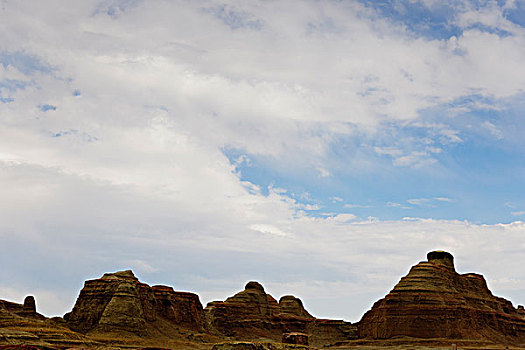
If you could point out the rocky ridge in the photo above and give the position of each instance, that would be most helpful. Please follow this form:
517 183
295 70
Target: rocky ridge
431 305
254 314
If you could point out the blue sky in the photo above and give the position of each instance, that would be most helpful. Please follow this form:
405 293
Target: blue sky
478 177
320 147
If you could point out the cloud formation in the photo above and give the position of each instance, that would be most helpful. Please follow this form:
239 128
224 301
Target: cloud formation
138 134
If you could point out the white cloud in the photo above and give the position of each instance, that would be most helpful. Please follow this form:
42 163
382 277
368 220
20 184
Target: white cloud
443 199
269 229
341 218
356 206
140 266
418 201
494 131
397 205
414 159
150 98
323 172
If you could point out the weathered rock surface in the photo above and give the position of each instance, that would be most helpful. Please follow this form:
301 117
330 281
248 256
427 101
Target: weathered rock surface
28 309
257 346
181 308
252 314
23 328
294 306
434 301
118 301
295 338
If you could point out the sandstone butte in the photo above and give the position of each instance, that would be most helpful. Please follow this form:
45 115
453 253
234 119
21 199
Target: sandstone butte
432 305
253 314
434 301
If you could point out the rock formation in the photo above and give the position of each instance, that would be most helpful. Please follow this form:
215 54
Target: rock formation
293 306
21 326
28 309
235 345
295 338
181 308
434 301
118 301
29 305
253 314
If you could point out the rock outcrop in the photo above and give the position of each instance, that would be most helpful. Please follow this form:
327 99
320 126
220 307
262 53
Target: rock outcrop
181 308
119 301
289 304
24 328
257 346
252 314
28 309
295 338
434 301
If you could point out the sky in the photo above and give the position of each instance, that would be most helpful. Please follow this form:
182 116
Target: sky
319 147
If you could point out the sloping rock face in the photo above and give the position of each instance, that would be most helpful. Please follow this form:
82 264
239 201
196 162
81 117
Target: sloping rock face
293 306
28 309
118 301
252 314
21 326
434 301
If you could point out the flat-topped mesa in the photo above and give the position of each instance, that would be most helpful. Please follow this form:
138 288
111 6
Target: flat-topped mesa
434 301
440 257
120 275
119 301
116 300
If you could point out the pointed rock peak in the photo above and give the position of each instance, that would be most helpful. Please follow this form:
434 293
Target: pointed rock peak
253 285
440 257
120 275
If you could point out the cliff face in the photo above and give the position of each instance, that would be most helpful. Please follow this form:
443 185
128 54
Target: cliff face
118 301
181 308
254 314
434 301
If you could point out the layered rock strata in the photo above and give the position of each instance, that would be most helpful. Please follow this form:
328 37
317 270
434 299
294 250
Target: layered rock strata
28 309
181 308
254 314
118 301
434 301
295 338
22 326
